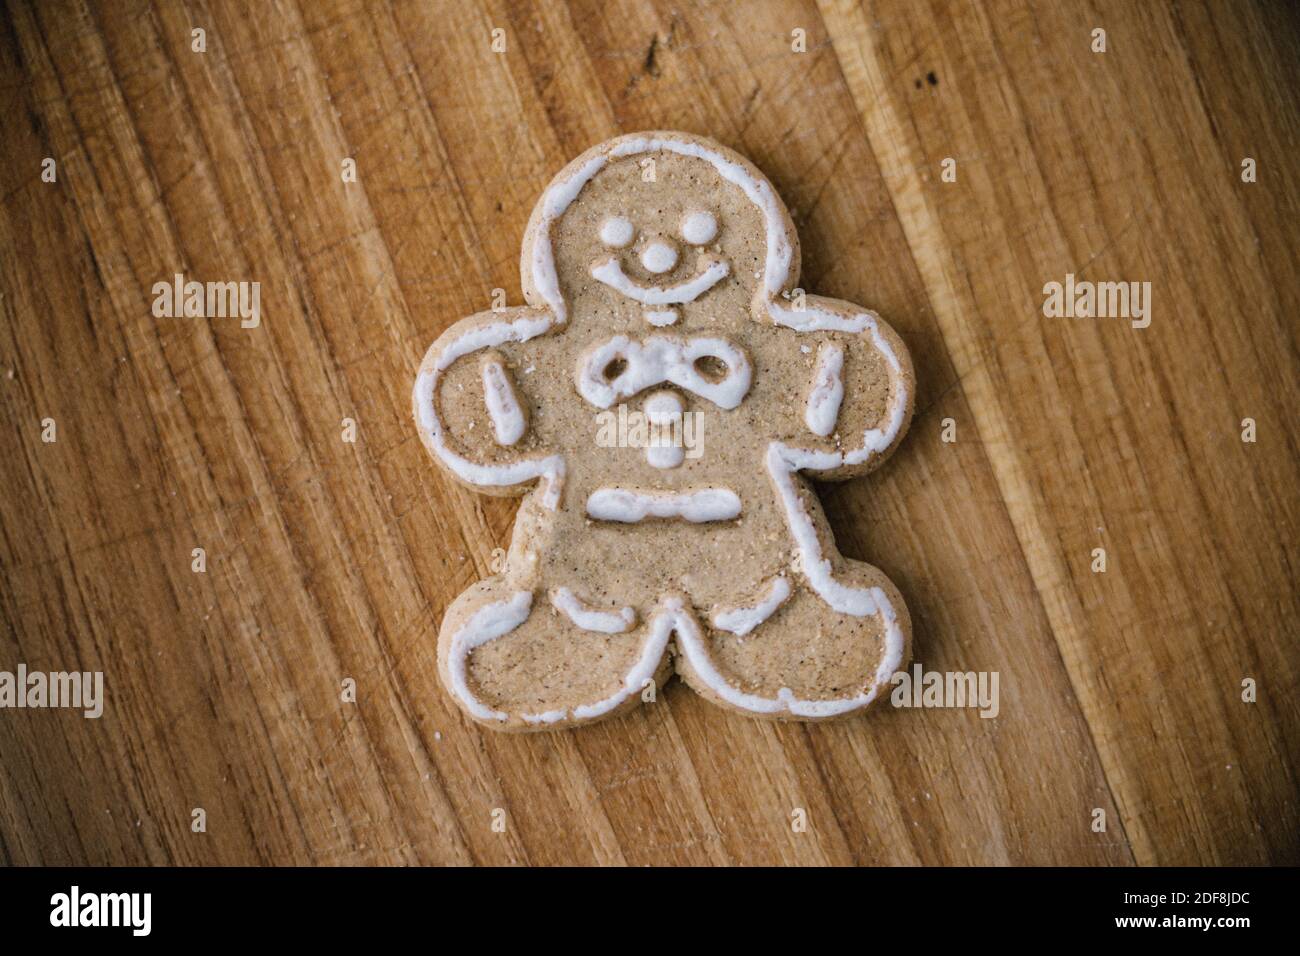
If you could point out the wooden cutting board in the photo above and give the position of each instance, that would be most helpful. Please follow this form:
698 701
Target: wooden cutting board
1121 691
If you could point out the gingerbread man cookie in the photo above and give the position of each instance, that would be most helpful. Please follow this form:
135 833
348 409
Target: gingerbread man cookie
660 273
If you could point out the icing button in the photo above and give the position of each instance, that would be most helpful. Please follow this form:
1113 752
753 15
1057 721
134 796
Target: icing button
663 409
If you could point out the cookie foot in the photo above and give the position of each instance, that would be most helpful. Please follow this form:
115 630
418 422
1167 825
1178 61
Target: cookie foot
806 661
516 662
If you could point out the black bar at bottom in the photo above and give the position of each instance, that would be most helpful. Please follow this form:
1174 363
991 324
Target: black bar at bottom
636 907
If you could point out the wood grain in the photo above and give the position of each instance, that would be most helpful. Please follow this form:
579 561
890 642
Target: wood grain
1121 691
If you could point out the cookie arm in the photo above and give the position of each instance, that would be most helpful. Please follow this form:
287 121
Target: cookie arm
479 333
849 334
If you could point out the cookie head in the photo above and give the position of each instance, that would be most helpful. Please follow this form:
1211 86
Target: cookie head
657 231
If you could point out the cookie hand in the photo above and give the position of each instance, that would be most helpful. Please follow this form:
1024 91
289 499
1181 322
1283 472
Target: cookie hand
501 468
854 346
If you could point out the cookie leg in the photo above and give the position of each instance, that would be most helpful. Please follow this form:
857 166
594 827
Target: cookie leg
805 660
522 660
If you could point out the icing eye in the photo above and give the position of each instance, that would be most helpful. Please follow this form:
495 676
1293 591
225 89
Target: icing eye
699 228
616 232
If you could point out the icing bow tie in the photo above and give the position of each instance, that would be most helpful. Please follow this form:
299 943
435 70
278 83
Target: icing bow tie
712 368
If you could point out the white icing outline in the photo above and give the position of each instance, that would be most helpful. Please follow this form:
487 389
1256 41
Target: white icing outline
661 317
663 358
640 674
508 421
429 421
690 642
634 505
782 463
501 618
590 618
823 406
743 618
609 270
486 624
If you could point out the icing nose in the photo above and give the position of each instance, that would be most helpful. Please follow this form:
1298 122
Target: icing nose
659 256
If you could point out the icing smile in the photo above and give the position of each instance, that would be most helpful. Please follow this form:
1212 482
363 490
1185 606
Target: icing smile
610 271
633 505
